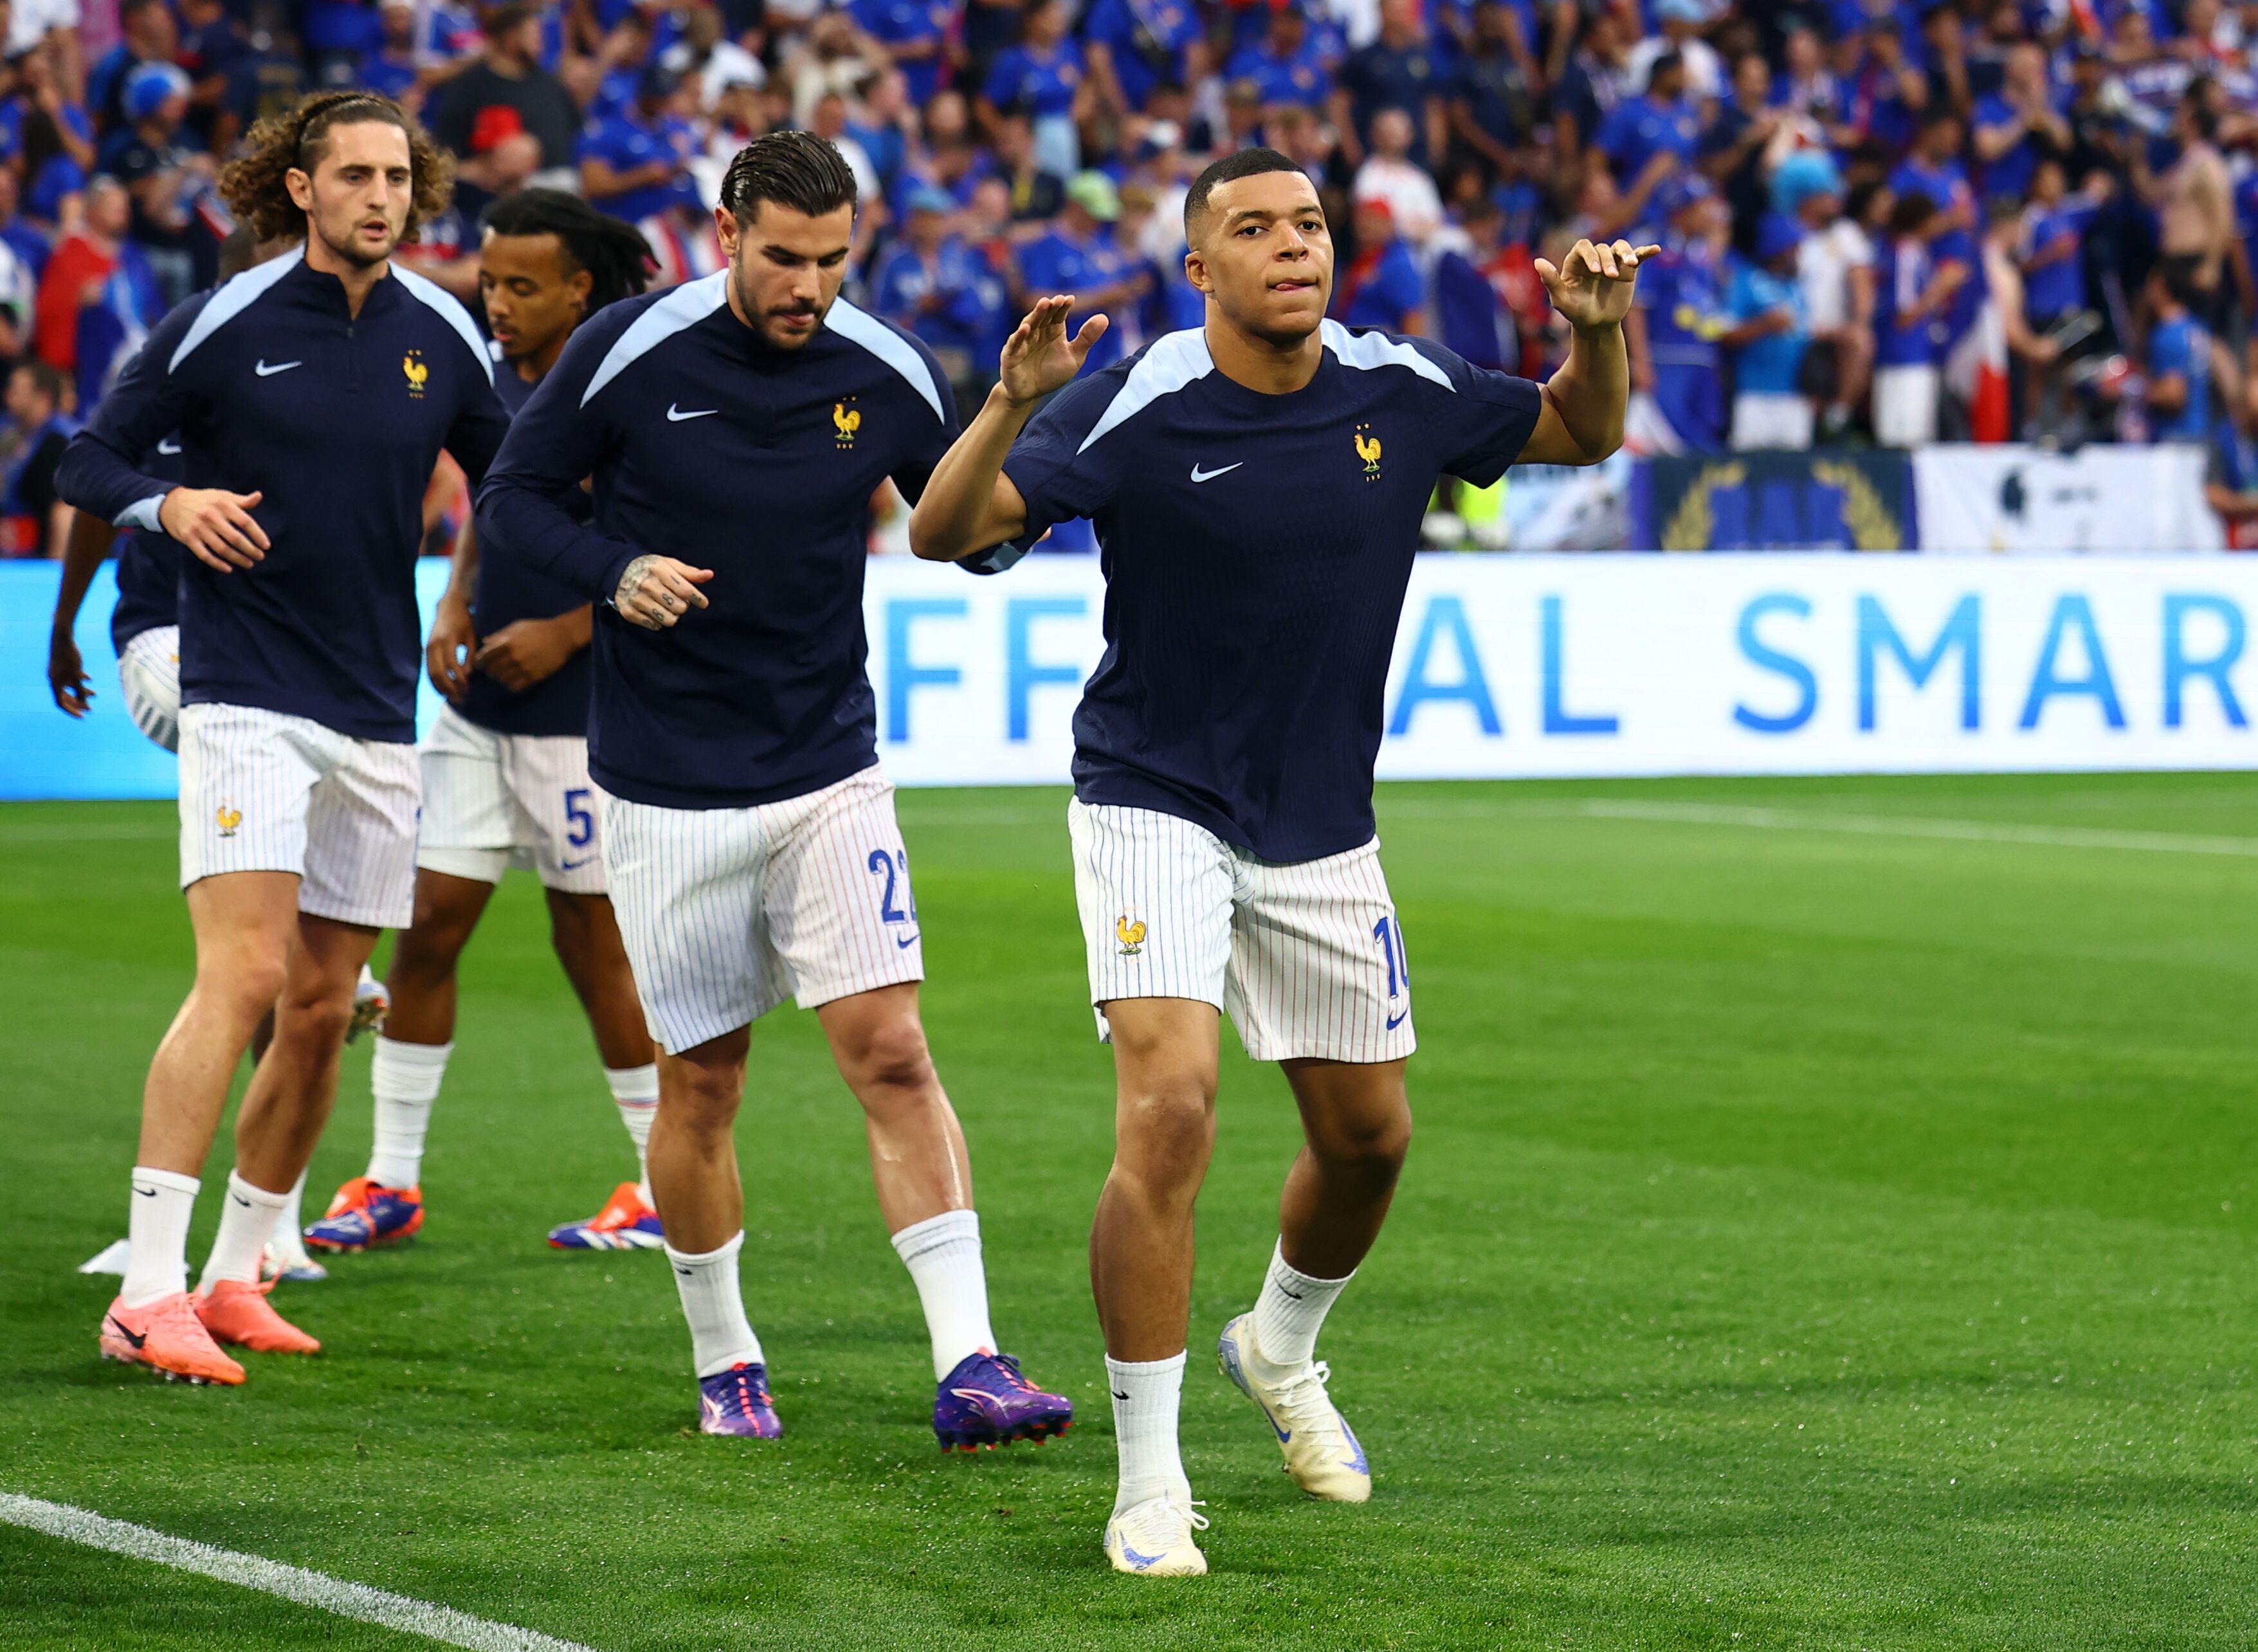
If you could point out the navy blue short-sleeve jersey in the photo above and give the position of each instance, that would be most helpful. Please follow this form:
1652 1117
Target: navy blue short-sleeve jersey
273 386
1256 550
508 590
709 445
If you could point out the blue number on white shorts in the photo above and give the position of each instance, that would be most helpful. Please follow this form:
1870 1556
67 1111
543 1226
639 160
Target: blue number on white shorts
1389 934
582 832
893 867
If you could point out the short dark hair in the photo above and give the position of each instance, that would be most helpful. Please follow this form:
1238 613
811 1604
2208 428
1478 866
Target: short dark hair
1912 213
612 251
795 169
47 380
1247 163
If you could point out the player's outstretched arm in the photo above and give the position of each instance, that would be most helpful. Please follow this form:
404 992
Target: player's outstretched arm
969 504
90 539
1581 421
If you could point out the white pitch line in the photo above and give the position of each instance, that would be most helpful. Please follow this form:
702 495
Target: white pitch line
272 1577
1917 827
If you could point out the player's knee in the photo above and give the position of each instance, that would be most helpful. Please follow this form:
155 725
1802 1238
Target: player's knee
890 1055
315 1019
1371 1145
425 955
1168 1128
248 981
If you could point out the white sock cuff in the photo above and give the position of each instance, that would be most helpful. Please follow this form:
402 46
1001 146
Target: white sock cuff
699 1258
171 1179
1280 1268
252 1194
950 1227
408 1072
634 1083
1143 1367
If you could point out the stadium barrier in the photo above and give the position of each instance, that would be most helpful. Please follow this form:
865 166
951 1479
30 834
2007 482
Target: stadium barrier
1505 666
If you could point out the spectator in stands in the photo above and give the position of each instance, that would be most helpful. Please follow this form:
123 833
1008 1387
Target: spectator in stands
507 91
1676 323
2182 364
1284 65
1771 332
1594 83
1389 173
1655 135
1134 46
392 66
1469 317
1493 92
33 520
2194 203
1381 286
161 173
1914 291
2017 127
635 164
1080 257
946 293
1400 69
148 35
1045 79
915 35
82 261
1835 265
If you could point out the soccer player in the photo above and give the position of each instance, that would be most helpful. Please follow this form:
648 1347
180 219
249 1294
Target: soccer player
1257 486
736 427
312 397
505 769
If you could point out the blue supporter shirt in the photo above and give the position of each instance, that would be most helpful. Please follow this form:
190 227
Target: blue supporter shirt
507 591
2181 347
1393 291
1256 550
1299 79
1382 76
1134 28
1058 263
2010 173
708 445
275 387
1037 83
624 143
1641 129
1768 365
1903 270
1685 318
972 315
2057 288
910 22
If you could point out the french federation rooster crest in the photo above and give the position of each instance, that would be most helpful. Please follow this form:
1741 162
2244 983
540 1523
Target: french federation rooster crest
1367 449
228 818
1129 930
417 370
846 420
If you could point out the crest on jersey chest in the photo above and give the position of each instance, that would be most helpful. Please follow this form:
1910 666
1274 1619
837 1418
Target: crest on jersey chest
1367 449
418 372
846 419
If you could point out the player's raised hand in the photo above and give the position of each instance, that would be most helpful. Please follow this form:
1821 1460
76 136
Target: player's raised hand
217 526
1039 356
449 651
655 591
66 674
1592 285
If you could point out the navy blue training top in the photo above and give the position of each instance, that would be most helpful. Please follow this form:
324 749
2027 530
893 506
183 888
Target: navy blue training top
1256 550
509 590
148 564
275 387
710 445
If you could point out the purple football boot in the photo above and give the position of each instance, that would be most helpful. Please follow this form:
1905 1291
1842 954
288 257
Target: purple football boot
736 1401
986 1403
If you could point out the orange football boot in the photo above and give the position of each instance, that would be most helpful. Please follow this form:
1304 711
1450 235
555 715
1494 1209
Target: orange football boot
167 1335
234 1312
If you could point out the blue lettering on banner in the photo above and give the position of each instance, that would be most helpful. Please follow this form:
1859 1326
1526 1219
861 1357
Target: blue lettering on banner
1471 687
2045 684
1022 674
1770 659
902 675
1963 630
1557 718
2178 666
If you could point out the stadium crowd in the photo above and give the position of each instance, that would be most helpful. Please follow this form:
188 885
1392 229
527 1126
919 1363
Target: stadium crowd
1883 220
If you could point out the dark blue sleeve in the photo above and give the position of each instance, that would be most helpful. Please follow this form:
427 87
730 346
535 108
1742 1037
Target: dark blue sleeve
931 438
480 423
1058 476
1488 419
100 471
525 512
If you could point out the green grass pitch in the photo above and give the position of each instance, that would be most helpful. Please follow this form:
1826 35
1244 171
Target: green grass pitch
1813 1239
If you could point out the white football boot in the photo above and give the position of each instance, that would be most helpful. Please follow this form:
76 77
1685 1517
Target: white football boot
1153 1538
1322 1453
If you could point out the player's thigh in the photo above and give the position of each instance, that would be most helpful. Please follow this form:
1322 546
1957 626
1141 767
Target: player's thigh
838 908
468 829
557 821
1317 967
685 890
149 678
360 835
247 780
1155 896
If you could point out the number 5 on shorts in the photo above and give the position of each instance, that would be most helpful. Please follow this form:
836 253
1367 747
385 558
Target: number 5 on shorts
581 830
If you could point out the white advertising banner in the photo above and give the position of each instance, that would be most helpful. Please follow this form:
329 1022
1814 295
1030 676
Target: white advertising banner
2104 498
1579 665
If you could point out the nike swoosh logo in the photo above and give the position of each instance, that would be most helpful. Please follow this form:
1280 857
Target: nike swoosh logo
1297 1296
266 372
1137 1560
168 447
122 1332
676 415
1198 475
905 942
1396 1021
240 1200
147 1193
1117 1394
574 866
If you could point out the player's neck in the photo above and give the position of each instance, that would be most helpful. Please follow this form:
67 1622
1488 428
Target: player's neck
356 279
1267 367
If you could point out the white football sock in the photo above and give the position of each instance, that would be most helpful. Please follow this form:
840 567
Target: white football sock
1290 1310
635 1090
246 1222
157 1230
943 1254
1146 1396
714 1302
289 1235
406 1079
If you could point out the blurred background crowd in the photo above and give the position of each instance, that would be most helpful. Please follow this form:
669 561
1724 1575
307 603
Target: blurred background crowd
1883 222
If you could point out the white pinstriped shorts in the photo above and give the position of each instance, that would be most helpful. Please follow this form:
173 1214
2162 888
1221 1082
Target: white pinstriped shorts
1305 956
264 791
726 913
492 801
149 672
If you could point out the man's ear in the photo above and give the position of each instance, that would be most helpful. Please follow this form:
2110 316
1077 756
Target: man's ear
725 225
301 187
1196 272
